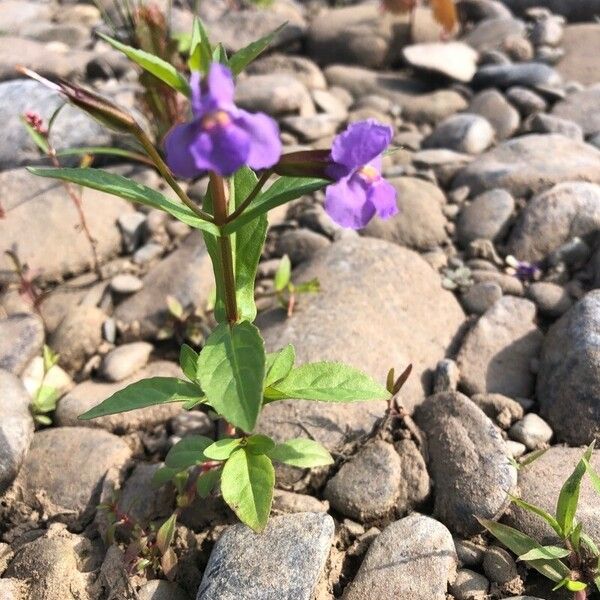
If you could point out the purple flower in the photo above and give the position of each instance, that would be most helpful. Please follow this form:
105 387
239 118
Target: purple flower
221 137
360 192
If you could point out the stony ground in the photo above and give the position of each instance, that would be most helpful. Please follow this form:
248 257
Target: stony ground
500 155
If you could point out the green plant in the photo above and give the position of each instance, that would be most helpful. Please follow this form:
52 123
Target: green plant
233 374
45 397
286 291
575 563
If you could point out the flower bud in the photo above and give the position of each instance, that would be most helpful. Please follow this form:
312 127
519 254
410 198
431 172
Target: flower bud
305 163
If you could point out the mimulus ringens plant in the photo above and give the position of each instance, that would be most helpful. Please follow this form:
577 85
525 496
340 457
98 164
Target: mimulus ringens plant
233 375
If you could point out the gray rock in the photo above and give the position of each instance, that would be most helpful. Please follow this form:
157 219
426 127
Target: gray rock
406 318
532 431
285 561
367 487
21 339
479 10
420 223
12 589
415 485
496 354
300 244
469 585
530 74
446 376
126 284
551 299
411 558
580 41
504 166
330 104
581 108
553 218
16 427
191 422
17 14
470 554
309 129
90 393
509 284
289 502
73 491
78 336
445 164
480 297
72 35
493 106
159 589
501 409
499 565
125 360
569 373
185 274
455 60
491 33
147 253
300 67
132 229
467 461
487 217
543 123
465 132
572 10
526 101
540 483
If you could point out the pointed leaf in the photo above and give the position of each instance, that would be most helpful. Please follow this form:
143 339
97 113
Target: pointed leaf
283 274
540 512
247 484
232 370
594 477
158 67
520 543
544 553
222 449
576 586
164 475
188 452
242 58
207 482
188 360
166 533
279 364
301 452
147 392
200 48
327 382
114 184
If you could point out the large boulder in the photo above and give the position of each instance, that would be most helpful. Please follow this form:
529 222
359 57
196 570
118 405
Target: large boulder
568 384
380 306
580 42
21 339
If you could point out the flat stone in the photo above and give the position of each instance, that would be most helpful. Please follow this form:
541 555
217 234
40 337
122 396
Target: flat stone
525 100
528 74
494 107
491 33
580 42
367 486
495 355
569 373
125 360
540 483
407 318
468 133
16 427
411 558
554 218
455 60
467 461
53 244
88 394
21 339
285 561
524 165
487 217
420 222
581 108
73 491
185 274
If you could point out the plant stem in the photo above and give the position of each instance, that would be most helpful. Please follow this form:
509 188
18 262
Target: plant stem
242 207
166 173
217 188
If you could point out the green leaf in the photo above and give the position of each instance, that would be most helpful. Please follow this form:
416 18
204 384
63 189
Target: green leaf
232 370
158 67
207 482
219 54
594 477
104 151
589 542
533 456
45 399
242 58
568 498
38 139
200 48
147 392
520 543
259 444
166 533
50 358
222 449
301 452
576 537
283 273
545 552
188 360
188 452
540 512
283 190
247 486
327 382
279 364
42 419
597 582
114 184
164 475
576 586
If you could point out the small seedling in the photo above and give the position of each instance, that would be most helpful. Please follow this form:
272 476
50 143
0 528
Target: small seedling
46 396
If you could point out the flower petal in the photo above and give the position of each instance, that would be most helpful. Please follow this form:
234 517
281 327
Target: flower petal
178 143
346 203
360 143
223 149
196 88
263 131
382 195
220 84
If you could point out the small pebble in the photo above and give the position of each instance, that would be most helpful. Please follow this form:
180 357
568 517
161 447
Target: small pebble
125 360
469 585
131 225
532 431
469 553
126 284
499 565
147 253
515 449
446 376
481 296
